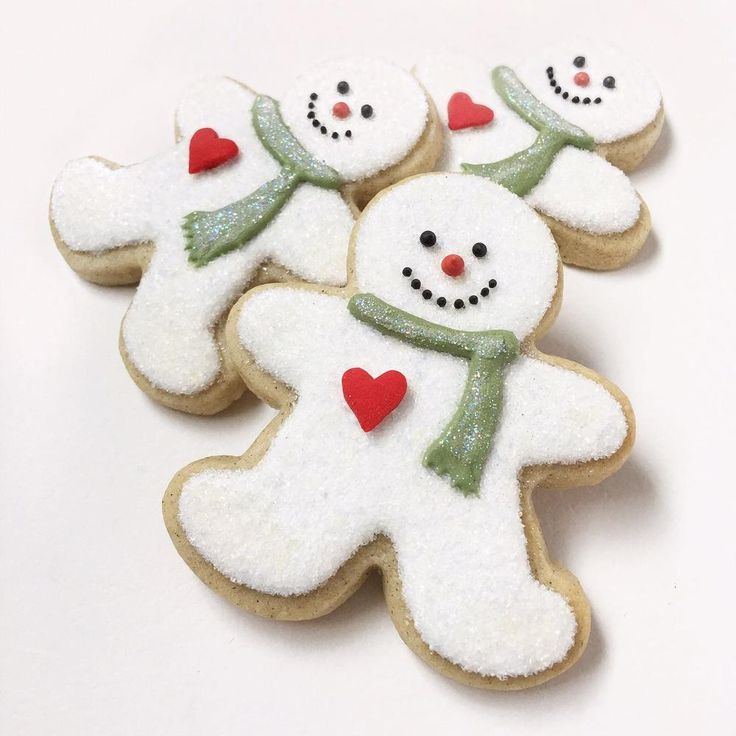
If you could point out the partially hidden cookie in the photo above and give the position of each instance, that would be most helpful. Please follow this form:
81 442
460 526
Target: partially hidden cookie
252 191
559 129
417 416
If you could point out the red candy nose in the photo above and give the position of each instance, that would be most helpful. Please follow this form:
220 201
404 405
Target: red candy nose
341 110
581 79
453 265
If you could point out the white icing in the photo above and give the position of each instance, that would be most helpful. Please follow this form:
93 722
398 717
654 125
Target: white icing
580 189
324 488
399 116
584 191
168 329
95 207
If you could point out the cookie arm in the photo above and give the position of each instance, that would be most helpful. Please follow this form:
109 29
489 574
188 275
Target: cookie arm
556 415
583 191
97 206
309 237
287 329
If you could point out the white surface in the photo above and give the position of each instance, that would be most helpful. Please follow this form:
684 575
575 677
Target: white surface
104 630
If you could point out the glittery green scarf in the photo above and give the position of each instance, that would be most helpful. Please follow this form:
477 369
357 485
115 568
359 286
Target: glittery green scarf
462 449
209 235
521 172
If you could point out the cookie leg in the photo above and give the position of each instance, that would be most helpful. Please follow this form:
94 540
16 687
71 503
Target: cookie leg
169 337
166 344
268 528
470 593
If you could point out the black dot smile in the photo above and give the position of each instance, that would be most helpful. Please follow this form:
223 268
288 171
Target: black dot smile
317 123
579 62
441 301
343 88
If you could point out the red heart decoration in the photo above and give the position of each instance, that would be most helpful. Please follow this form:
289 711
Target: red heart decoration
372 399
462 112
208 151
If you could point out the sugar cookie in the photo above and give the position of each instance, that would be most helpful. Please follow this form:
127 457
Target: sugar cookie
417 416
253 191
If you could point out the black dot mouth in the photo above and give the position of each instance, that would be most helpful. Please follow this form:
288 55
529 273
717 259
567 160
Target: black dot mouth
441 301
318 125
559 90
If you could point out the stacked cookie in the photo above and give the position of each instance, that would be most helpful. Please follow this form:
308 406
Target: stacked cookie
378 265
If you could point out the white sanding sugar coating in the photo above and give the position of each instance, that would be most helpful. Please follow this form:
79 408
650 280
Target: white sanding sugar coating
388 113
168 330
324 487
580 189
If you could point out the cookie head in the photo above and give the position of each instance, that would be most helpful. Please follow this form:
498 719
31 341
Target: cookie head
359 116
594 86
457 250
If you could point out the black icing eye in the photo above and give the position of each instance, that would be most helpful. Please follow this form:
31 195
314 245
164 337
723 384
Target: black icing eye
609 82
579 61
479 250
427 238
343 87
366 111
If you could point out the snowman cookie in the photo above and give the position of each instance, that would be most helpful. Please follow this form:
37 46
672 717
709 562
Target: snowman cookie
417 417
252 191
559 129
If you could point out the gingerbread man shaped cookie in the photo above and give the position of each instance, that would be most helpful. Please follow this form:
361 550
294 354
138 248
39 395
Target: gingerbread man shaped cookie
416 418
252 191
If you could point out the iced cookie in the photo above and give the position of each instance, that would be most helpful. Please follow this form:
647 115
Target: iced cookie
417 417
557 130
252 191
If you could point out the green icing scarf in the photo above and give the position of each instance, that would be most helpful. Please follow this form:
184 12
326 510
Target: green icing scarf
521 172
209 235
461 450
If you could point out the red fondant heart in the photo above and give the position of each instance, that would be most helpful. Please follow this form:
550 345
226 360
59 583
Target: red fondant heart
208 151
462 112
372 399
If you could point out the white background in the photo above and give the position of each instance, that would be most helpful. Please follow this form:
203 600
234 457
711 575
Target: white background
104 630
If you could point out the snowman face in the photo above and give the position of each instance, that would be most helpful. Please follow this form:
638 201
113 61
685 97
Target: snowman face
595 87
359 116
457 250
